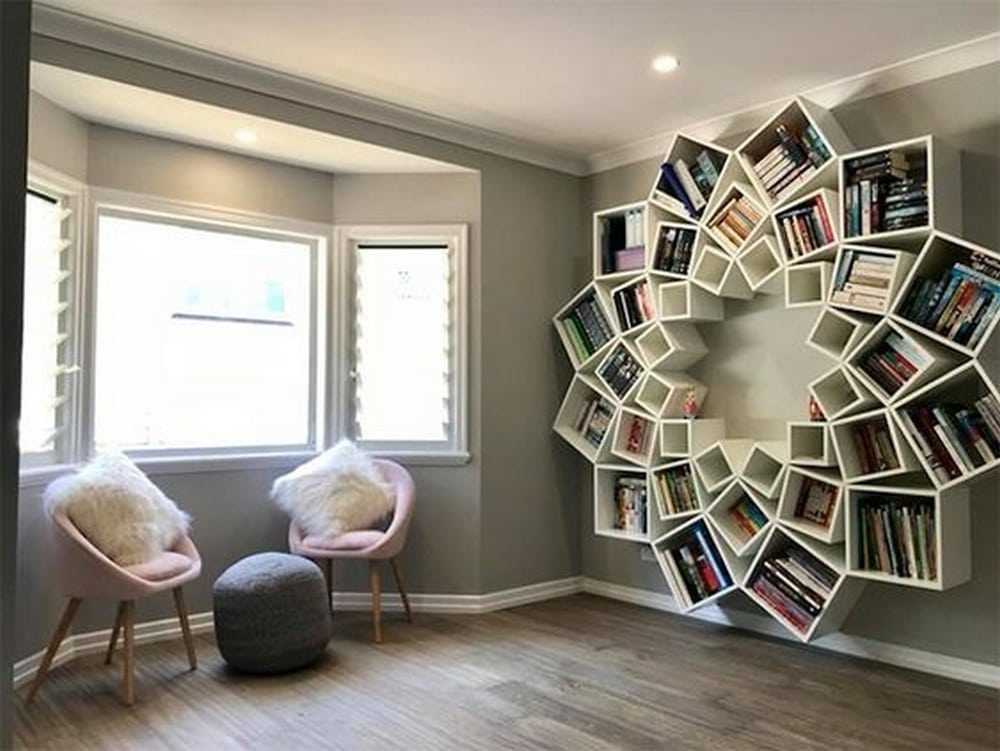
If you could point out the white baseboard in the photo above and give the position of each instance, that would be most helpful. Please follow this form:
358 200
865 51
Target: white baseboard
980 673
983 674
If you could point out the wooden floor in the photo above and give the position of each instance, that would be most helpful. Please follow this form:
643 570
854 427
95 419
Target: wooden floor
579 673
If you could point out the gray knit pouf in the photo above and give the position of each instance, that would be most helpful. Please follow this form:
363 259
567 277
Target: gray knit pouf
271 613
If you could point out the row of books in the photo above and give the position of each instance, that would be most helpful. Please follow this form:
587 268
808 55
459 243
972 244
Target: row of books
622 240
961 303
892 362
684 187
748 517
955 439
594 419
630 505
677 489
806 228
897 537
884 192
587 328
733 223
792 161
638 432
620 371
863 279
674 247
795 584
696 563
816 501
634 305
873 445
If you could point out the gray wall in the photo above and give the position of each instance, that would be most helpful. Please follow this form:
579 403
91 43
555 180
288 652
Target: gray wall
57 138
964 110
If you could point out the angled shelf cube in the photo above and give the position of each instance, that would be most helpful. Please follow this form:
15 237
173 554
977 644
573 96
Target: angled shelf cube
673 249
621 503
839 394
634 437
586 417
807 228
698 567
738 220
718 463
718 273
620 240
952 294
671 346
811 502
899 191
762 266
685 301
740 516
807 284
634 304
867 279
810 444
678 490
953 425
801 583
837 333
870 446
910 536
688 177
664 394
621 370
584 327
765 467
683 438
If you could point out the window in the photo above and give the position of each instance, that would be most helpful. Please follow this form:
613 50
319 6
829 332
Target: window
48 348
405 337
205 335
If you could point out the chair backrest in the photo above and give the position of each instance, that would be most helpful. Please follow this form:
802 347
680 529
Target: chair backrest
395 535
83 571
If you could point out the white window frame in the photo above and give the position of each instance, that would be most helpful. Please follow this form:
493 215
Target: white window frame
140 206
456 238
74 193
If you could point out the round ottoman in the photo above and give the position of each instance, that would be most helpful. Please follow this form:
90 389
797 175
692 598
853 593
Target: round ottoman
271 613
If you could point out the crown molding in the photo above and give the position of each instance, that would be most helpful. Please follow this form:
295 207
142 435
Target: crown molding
954 59
53 24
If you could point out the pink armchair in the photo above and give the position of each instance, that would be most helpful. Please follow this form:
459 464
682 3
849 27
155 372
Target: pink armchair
370 544
84 571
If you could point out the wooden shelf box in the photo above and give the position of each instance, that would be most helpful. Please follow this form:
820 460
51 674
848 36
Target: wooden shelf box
952 294
698 567
866 279
622 503
741 517
898 191
871 446
793 152
809 444
811 502
684 301
807 284
685 438
909 536
837 333
831 593
953 425
586 418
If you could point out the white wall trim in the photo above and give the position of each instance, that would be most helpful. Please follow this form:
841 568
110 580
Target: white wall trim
64 26
981 673
964 56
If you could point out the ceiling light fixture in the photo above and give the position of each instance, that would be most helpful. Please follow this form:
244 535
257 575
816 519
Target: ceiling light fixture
245 135
665 63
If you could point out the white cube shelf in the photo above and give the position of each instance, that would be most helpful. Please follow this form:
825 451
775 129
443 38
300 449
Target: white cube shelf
684 301
719 462
586 418
837 333
678 491
741 517
765 467
838 394
634 437
664 394
682 437
807 228
673 249
811 502
697 566
691 152
621 370
619 514
870 446
762 266
809 444
620 240
585 327
917 538
867 279
738 220
671 346
807 284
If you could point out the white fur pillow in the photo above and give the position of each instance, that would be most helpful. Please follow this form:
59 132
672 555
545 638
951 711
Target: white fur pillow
338 491
118 509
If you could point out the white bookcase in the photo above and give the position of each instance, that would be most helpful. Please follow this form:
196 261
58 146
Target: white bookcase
906 415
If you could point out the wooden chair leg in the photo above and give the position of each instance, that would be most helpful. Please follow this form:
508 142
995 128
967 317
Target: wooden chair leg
376 600
328 577
402 589
57 637
128 670
182 616
114 633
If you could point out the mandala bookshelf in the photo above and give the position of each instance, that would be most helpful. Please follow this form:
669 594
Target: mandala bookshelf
875 488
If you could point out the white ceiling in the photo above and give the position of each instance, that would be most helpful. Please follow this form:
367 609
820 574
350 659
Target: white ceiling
568 76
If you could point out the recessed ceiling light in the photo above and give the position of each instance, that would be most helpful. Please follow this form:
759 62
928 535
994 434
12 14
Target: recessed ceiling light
665 63
245 135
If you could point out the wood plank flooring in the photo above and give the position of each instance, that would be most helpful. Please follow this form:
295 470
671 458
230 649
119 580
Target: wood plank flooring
579 673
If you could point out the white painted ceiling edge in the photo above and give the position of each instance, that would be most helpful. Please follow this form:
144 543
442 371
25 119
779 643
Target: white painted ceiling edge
65 26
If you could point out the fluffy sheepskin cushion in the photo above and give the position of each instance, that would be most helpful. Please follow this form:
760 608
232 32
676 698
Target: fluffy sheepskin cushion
338 491
118 509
